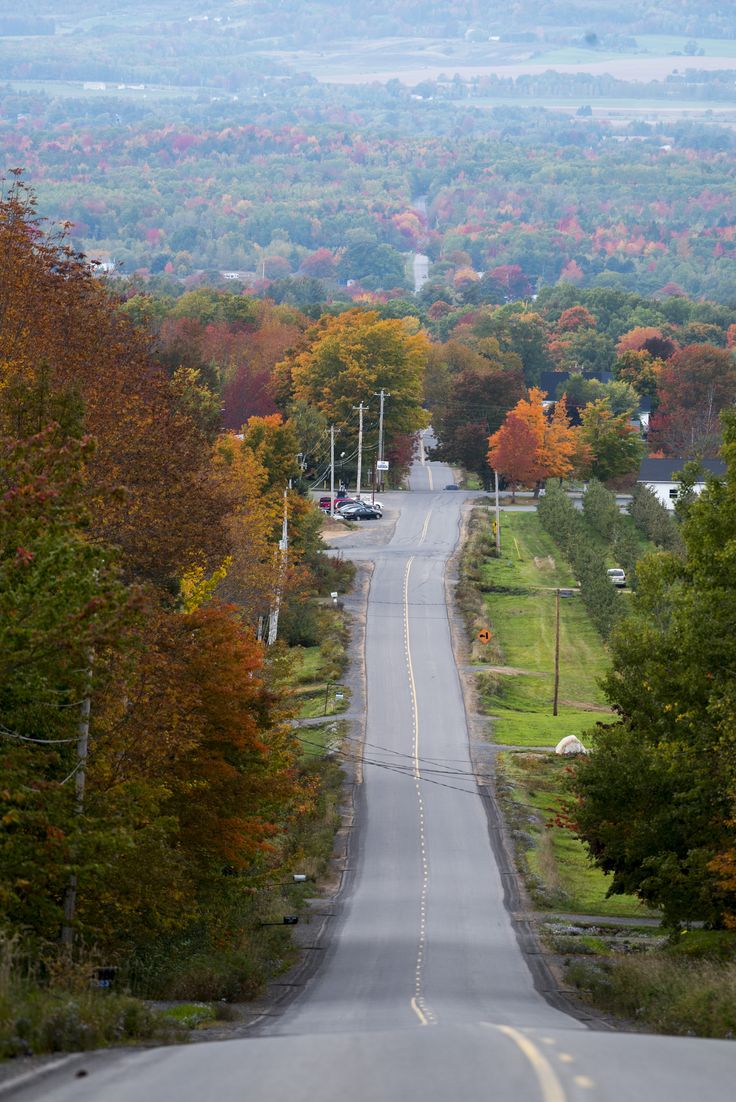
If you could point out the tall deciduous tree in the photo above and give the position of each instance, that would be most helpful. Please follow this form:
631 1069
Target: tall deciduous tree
694 386
614 444
512 451
555 441
658 794
354 355
148 484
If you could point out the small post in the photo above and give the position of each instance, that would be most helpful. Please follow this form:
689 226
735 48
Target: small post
557 654
327 693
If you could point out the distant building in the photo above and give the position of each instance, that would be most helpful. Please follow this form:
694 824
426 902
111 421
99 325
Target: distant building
641 415
659 476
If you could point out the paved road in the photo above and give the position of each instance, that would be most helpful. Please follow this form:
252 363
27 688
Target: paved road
423 992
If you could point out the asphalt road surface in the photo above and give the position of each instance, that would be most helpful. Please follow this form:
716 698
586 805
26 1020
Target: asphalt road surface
423 992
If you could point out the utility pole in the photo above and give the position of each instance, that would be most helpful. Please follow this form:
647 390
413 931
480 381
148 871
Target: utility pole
273 619
498 516
361 410
332 470
382 395
557 655
80 780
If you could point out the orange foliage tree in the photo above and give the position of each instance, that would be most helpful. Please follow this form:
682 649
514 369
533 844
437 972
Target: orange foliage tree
554 441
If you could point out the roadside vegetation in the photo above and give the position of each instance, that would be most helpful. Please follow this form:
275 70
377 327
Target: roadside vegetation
642 825
687 987
516 601
156 798
533 788
317 686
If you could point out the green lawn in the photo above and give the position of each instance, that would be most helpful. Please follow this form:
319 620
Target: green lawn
561 874
522 620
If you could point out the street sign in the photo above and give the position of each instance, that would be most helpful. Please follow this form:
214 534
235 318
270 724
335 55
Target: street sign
382 465
484 635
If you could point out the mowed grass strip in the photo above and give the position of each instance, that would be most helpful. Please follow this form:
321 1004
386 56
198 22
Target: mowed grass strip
522 616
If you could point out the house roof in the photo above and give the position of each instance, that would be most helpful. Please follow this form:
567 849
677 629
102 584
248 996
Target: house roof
664 470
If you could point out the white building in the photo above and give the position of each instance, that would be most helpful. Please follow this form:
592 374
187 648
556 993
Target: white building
659 476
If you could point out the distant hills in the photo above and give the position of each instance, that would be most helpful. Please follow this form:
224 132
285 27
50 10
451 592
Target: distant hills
312 20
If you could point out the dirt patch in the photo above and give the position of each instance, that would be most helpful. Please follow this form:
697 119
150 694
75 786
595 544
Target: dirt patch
544 562
583 706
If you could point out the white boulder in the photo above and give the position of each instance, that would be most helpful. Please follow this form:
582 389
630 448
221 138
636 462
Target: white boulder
571 744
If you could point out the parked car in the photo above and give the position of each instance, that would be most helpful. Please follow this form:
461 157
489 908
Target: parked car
340 500
360 512
616 576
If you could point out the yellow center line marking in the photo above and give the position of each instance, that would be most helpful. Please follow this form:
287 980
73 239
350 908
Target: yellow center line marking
429 476
550 1085
426 1017
412 683
426 526
584 1081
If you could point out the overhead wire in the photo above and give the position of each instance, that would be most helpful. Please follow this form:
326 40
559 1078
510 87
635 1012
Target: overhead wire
408 770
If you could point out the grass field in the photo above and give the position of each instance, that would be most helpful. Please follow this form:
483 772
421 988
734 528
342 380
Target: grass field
675 44
522 615
315 694
559 871
319 740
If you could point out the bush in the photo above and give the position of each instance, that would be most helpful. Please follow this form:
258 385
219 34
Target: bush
626 549
670 996
36 1020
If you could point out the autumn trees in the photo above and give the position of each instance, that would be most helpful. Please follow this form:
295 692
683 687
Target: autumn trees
694 385
348 360
124 532
469 390
531 446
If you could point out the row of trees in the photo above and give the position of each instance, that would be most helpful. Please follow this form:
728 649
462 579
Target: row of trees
655 801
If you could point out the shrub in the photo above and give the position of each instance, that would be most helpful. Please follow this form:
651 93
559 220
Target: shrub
670 996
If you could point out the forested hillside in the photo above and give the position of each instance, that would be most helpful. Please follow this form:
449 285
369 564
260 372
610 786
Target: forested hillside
348 192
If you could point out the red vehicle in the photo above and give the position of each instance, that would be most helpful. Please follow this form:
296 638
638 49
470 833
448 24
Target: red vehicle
340 499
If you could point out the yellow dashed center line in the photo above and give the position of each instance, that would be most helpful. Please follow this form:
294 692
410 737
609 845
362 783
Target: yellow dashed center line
418 1005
